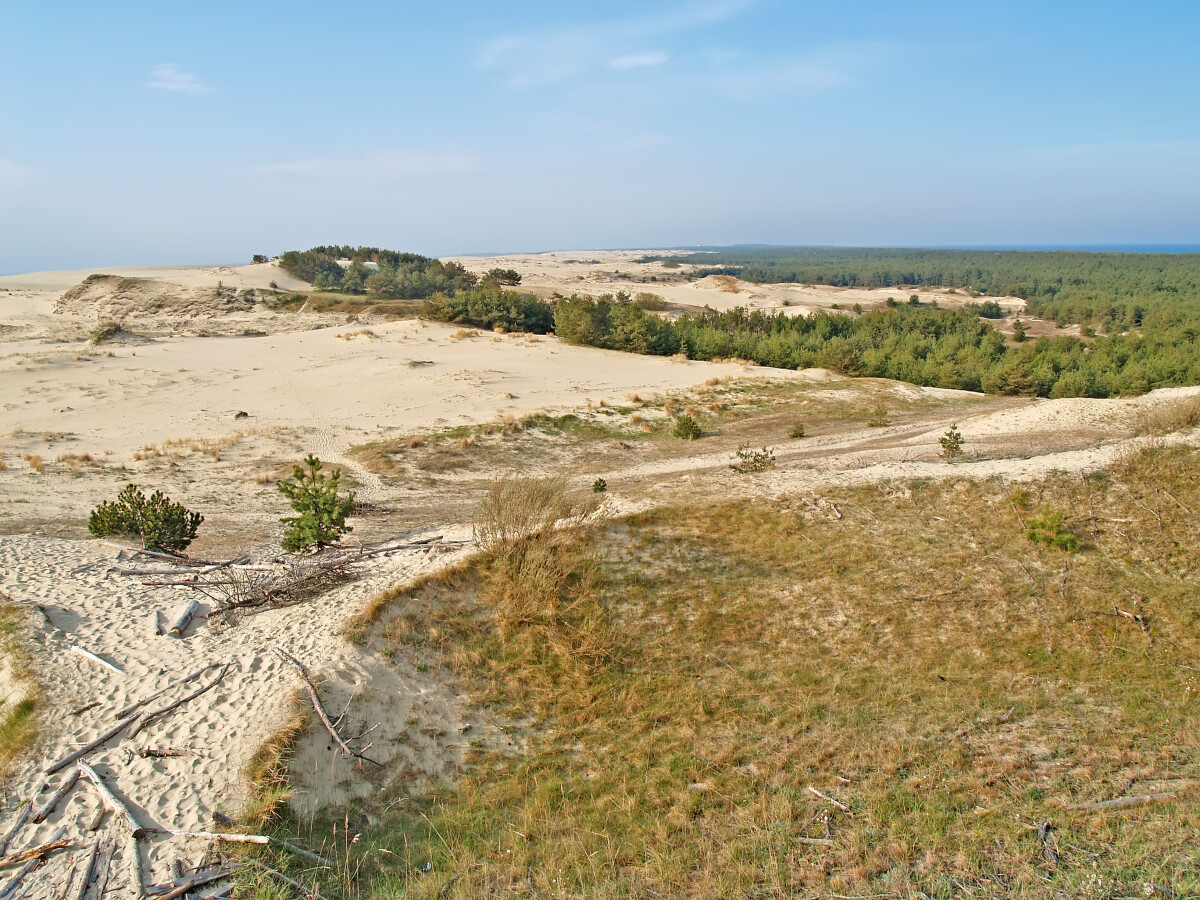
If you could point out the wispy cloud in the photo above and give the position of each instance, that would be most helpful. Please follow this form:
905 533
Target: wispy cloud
12 173
545 57
835 65
376 167
170 79
638 60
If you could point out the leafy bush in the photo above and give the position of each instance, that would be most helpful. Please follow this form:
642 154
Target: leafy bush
488 307
952 443
797 430
322 513
751 460
161 524
599 486
1048 528
504 276
687 428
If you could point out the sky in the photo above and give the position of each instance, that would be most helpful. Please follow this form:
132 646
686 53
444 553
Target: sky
157 133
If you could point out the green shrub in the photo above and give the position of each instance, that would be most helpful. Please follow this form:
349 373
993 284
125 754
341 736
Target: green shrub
879 417
105 331
797 430
751 460
160 523
1047 528
322 513
952 443
687 428
599 486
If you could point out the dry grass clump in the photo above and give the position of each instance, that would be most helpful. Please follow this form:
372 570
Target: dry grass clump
1182 414
75 460
518 508
464 334
634 398
35 461
903 649
3 464
18 708
362 332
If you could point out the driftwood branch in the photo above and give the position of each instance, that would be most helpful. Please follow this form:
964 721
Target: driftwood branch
96 659
89 870
842 806
300 850
18 824
195 880
162 711
91 745
1121 802
285 879
134 707
179 626
48 807
316 702
58 842
111 800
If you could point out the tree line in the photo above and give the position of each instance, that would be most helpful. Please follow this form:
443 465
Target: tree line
386 274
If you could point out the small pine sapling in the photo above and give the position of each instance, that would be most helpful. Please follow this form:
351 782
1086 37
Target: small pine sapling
751 460
952 443
687 428
798 430
599 486
322 514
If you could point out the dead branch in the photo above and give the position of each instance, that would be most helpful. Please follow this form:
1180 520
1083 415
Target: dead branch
1121 802
58 842
110 799
96 659
195 880
89 870
277 874
162 711
48 807
842 806
91 745
134 707
300 850
179 626
214 836
22 818
316 702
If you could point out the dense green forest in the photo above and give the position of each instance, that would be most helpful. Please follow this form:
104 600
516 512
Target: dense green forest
918 344
387 274
1112 291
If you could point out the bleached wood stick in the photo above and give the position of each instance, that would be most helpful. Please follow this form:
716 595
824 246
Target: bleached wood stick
111 799
89 870
197 879
94 658
133 707
57 842
156 622
91 745
162 711
842 806
22 818
1122 802
215 836
301 851
48 807
181 622
820 842
11 888
316 702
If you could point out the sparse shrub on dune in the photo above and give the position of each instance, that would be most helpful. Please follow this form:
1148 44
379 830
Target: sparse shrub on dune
321 511
687 428
161 523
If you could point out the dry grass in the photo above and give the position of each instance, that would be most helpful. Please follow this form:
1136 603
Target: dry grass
903 648
35 461
1165 418
18 706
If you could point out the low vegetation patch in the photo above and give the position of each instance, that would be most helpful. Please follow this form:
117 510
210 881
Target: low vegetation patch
884 691
19 699
160 523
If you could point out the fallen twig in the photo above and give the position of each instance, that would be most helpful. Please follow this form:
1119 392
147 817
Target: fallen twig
285 879
842 806
1121 802
162 711
96 659
91 745
48 807
58 842
18 824
214 836
133 707
111 800
316 702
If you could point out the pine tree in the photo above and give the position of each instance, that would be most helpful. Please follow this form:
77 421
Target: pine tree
322 513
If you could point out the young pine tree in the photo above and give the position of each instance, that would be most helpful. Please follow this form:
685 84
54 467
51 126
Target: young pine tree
321 513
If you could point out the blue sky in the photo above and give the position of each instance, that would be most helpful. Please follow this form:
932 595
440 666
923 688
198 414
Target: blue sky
161 132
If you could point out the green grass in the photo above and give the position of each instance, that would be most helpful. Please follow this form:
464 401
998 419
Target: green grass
18 713
690 673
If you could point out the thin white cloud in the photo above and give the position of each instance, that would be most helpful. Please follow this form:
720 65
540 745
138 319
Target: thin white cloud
170 79
638 60
12 173
546 57
836 65
380 166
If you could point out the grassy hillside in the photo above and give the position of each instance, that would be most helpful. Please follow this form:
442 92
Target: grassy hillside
894 690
